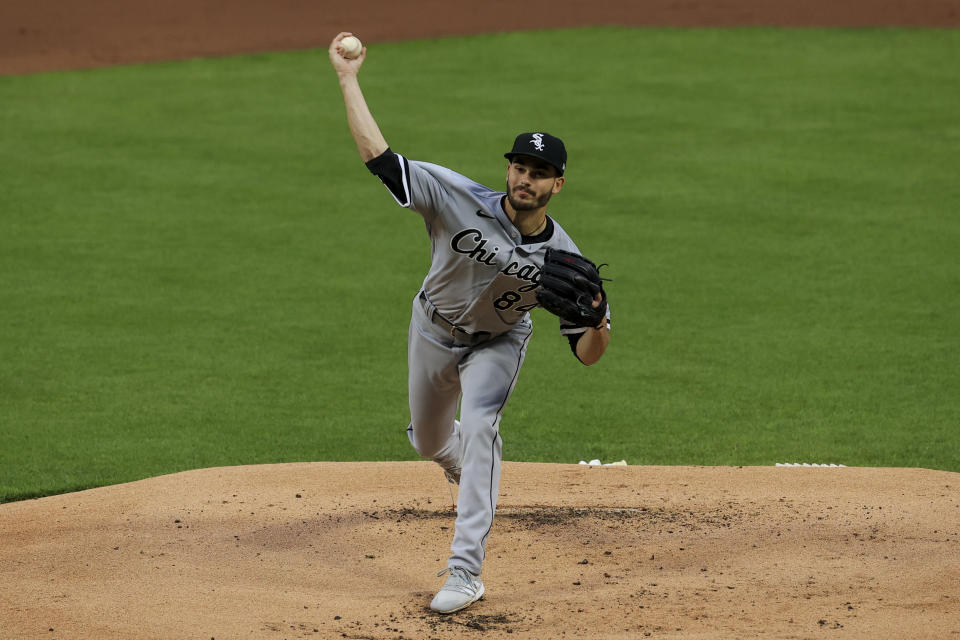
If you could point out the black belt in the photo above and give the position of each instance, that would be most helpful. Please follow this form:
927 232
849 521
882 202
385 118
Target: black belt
459 335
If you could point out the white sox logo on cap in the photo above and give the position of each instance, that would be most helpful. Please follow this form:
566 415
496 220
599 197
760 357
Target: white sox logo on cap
537 141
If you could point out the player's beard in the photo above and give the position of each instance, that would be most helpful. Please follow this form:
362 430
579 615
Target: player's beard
527 205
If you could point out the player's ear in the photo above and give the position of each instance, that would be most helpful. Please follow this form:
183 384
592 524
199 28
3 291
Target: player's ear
558 184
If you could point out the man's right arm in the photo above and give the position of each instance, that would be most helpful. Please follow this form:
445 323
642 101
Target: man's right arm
366 133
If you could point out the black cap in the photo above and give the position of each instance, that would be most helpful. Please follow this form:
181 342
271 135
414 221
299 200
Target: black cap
540 145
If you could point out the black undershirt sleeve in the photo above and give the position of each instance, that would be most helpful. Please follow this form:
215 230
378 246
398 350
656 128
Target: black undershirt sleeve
389 168
574 338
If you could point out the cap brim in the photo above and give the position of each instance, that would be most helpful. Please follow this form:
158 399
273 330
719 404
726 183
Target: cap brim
510 156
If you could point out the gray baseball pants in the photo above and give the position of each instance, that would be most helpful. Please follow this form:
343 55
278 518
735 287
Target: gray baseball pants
443 374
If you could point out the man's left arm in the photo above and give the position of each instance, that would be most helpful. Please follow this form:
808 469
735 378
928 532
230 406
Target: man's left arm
594 341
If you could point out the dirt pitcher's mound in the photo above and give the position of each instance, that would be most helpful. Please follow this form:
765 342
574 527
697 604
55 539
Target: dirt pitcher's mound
332 550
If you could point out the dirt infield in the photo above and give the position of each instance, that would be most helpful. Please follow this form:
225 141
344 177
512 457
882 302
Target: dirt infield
44 35
349 550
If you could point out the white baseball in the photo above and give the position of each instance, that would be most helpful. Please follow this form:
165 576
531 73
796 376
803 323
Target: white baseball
351 47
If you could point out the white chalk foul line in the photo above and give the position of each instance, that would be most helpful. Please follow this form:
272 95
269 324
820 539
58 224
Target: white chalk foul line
809 464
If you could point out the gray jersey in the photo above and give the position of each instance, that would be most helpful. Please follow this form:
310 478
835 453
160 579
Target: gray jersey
483 273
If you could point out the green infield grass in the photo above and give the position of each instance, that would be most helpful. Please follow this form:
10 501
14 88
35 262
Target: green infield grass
196 269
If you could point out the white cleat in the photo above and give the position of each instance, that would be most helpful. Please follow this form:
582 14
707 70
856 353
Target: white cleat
453 478
461 589
452 473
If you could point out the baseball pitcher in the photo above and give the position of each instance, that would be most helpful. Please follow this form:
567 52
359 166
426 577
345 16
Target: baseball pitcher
495 256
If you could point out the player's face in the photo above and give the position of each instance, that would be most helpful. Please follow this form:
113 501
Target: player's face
531 182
